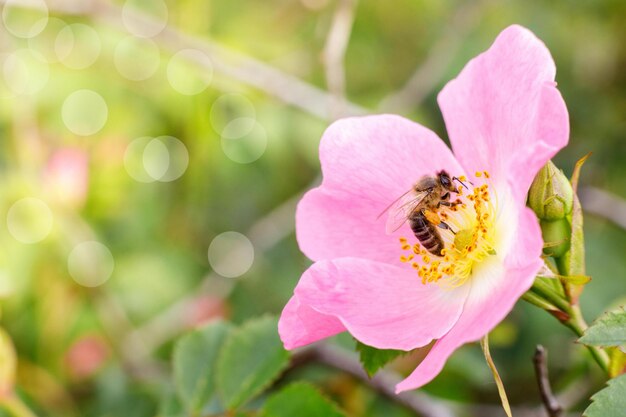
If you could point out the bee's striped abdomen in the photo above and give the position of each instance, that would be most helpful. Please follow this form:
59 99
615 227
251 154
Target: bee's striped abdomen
426 233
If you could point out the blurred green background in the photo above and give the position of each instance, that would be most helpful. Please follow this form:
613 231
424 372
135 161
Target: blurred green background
152 152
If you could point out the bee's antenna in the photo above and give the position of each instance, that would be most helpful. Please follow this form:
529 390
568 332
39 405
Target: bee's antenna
461 182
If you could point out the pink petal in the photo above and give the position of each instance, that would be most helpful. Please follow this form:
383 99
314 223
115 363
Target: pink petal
367 163
491 298
503 112
300 325
381 305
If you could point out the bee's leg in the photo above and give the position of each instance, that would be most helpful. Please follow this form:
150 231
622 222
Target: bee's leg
444 200
448 203
446 226
460 182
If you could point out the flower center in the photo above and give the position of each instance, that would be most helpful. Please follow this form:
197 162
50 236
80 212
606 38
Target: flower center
467 235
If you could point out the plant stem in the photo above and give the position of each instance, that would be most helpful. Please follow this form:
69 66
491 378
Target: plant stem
576 321
544 297
544 291
578 325
538 301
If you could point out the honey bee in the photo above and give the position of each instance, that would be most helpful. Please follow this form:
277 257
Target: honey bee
419 207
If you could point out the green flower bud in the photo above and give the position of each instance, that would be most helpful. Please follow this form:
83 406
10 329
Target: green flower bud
557 236
551 196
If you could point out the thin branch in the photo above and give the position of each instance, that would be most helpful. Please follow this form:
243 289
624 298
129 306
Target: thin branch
430 72
603 204
334 55
132 350
383 382
232 64
550 402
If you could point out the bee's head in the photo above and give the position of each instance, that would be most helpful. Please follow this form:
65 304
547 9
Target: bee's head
446 181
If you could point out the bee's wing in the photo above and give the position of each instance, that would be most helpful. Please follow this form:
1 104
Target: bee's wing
401 209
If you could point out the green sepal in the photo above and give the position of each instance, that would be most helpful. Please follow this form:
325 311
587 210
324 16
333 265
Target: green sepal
575 279
573 262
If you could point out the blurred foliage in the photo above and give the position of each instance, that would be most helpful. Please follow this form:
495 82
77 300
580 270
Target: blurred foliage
106 350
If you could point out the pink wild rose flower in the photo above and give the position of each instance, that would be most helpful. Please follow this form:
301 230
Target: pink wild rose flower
505 119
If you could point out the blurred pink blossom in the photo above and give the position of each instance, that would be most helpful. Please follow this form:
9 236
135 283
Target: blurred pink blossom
86 356
204 309
67 176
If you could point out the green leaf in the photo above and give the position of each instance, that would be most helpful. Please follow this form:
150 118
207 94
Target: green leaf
609 402
195 357
373 359
302 400
608 330
250 359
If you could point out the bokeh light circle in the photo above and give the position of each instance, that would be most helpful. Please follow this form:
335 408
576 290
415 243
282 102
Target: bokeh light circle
178 158
164 158
230 107
25 72
90 263
156 159
247 148
25 18
7 284
189 71
77 46
84 112
137 59
231 254
134 162
131 17
45 42
29 220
